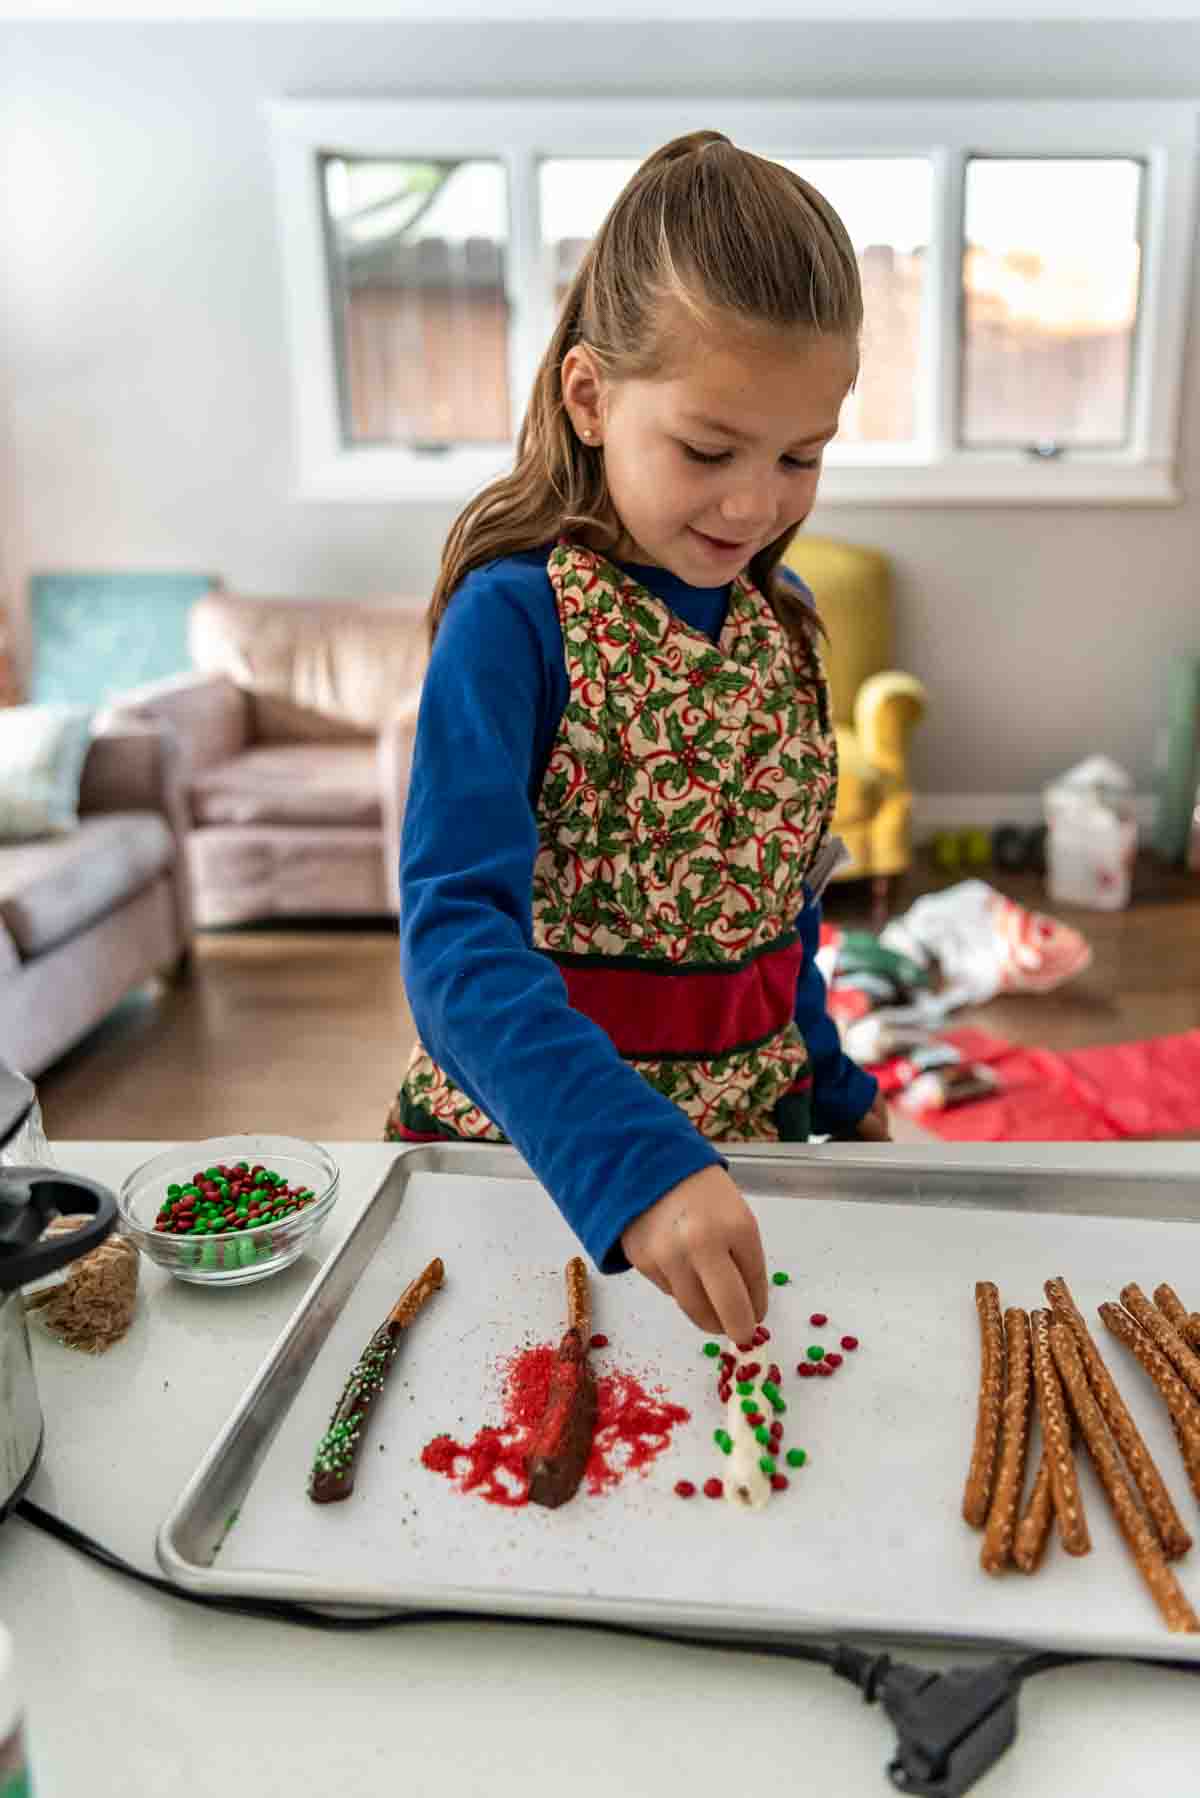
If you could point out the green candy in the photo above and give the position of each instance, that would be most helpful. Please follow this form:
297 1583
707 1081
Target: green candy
748 1405
816 1353
244 1165
745 1387
762 1434
712 1350
174 1190
766 1463
796 1457
213 1173
724 1441
781 1279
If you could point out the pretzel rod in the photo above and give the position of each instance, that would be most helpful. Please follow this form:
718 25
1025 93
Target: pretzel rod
1014 1438
1143 1544
1185 1412
332 1474
1149 1481
1056 1434
1165 1335
1033 1531
977 1497
579 1302
1176 1312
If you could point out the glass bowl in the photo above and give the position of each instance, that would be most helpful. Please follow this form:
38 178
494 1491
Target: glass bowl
230 1257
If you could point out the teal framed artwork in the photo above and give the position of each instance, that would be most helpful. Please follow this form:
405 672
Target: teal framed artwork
95 635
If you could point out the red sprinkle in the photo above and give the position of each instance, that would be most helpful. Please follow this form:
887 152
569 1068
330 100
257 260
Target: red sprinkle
779 1482
805 1369
824 1368
743 1348
749 1370
685 1489
634 1423
761 1335
777 1429
833 1360
597 1341
850 1342
724 1393
754 1419
774 1374
728 1359
818 1318
713 1488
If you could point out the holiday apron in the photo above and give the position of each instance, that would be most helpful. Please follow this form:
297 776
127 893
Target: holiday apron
687 792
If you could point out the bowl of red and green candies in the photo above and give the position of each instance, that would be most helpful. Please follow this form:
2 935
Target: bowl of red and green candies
230 1209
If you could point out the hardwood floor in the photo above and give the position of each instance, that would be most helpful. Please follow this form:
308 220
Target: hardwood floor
306 1030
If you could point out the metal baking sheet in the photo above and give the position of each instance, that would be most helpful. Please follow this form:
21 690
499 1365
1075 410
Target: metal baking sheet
868 1541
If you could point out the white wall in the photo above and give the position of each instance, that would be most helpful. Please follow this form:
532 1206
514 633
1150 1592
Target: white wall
146 405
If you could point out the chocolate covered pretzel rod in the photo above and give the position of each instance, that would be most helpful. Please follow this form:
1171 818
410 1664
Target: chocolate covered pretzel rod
1149 1481
977 1497
1176 1313
1056 1434
1033 1531
1183 1408
1014 1439
332 1473
1143 1543
1172 1344
562 1442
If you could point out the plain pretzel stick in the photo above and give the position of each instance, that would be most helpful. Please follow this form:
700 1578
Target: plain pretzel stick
1149 1481
977 1498
1056 1434
1169 1596
1033 1531
1185 1412
1165 1335
1014 1439
579 1301
1176 1312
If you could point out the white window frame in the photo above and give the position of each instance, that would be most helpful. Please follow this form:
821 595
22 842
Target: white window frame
931 470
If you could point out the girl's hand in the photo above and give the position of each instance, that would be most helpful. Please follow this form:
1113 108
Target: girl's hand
874 1125
700 1245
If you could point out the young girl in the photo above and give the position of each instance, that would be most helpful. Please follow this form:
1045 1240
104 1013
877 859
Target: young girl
625 766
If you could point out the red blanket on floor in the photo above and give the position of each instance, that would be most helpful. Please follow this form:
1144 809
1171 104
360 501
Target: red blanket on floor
1145 1089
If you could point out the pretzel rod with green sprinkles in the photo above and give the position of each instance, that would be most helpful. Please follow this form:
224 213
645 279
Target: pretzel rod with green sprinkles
332 1474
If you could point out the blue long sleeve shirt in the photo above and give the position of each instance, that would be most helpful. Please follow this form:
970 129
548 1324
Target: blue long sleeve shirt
488 1007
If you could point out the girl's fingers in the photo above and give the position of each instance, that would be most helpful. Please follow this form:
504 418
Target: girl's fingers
656 1278
729 1296
690 1295
748 1257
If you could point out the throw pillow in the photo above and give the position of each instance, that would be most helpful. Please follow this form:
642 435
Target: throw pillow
42 751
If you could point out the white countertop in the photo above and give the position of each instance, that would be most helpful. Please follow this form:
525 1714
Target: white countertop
130 1692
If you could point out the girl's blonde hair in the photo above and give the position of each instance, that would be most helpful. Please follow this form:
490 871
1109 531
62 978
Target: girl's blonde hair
715 229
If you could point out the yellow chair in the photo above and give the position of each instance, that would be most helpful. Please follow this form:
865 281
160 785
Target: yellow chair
874 707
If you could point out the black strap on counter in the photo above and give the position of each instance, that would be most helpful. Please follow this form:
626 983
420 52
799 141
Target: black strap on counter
950 1727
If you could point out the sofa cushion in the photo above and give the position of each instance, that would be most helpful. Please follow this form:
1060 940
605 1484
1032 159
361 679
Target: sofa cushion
291 783
313 666
52 890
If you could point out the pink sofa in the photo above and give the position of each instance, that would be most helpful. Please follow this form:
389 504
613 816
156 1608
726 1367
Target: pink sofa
295 736
88 915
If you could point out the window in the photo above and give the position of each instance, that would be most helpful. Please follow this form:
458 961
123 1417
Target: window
416 273
1025 277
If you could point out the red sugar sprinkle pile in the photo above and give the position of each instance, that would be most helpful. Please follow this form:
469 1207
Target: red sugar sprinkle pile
633 1427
